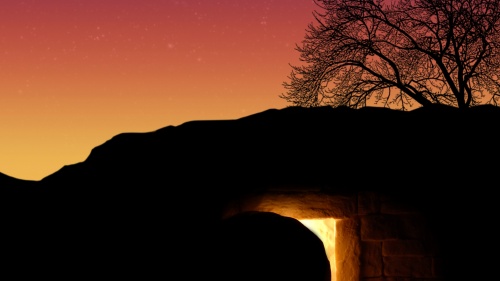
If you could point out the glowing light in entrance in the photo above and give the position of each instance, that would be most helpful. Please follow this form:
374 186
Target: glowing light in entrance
325 229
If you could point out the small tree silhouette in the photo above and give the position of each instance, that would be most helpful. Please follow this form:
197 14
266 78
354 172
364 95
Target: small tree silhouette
399 54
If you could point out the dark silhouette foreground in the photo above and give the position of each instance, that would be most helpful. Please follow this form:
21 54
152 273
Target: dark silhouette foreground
267 246
141 202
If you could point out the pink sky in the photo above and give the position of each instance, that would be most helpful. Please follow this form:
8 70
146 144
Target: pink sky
75 73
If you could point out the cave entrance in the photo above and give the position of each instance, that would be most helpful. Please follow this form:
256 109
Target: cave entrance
328 216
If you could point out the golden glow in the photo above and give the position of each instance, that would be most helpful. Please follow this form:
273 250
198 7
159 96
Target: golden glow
325 229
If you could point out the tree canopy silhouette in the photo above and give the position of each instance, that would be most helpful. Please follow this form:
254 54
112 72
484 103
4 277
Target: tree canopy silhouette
399 54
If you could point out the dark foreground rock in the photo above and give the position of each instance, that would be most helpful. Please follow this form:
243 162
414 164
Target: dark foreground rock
140 203
268 247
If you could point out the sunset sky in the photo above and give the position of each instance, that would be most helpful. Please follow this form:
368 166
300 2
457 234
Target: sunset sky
75 73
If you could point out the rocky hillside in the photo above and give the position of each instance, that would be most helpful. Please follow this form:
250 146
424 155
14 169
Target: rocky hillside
136 185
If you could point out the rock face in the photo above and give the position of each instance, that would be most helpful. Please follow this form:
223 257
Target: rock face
138 202
269 247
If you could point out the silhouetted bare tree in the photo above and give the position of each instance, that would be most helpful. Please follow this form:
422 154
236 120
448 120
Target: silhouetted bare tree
399 54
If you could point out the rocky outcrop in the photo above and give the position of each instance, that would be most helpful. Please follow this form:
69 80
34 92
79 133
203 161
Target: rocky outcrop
152 194
266 246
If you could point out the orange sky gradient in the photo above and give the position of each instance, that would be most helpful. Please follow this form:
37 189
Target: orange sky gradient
75 73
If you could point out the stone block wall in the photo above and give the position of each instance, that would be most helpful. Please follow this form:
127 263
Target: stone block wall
396 242
379 238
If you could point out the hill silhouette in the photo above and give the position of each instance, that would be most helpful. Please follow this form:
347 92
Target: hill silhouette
11 184
147 194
